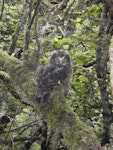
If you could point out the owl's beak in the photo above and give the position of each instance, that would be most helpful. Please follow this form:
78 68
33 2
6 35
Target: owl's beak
61 60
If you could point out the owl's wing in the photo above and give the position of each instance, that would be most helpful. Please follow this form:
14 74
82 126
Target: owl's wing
45 82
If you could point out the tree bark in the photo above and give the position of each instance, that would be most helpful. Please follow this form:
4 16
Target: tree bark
101 68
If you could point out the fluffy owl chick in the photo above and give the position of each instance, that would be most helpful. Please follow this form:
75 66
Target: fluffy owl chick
57 71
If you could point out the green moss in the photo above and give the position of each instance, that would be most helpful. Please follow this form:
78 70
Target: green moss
8 62
22 79
4 75
63 121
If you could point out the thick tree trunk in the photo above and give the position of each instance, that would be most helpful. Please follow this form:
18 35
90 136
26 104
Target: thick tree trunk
101 67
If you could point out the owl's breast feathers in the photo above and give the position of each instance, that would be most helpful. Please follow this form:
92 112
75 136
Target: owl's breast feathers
50 75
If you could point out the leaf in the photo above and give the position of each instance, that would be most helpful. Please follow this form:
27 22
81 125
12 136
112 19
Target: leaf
83 78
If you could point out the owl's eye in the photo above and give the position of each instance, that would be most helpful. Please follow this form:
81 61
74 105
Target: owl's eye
65 60
57 60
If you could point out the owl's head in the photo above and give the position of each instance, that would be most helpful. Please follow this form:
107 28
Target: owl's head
60 57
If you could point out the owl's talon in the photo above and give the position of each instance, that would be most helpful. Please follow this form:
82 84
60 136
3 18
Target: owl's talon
59 82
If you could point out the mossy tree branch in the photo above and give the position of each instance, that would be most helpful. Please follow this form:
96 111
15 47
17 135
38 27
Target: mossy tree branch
21 78
64 128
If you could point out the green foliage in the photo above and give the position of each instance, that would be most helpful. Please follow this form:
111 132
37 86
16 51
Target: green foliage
46 34
35 146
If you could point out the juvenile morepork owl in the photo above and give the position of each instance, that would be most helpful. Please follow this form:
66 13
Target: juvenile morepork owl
57 71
